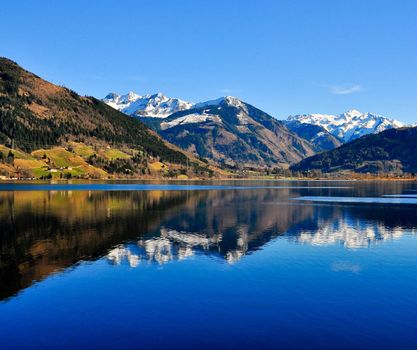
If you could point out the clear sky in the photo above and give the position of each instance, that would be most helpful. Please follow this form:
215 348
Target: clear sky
285 57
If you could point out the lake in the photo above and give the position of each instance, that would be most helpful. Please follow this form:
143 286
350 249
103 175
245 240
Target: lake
242 264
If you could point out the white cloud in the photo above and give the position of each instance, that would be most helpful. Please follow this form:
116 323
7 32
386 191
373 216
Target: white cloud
345 90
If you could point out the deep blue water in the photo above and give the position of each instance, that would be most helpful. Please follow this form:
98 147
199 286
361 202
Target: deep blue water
239 265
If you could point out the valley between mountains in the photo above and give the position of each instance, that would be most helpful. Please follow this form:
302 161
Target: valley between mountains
48 131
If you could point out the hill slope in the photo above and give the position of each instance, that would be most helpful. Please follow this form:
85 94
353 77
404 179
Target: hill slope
36 114
393 150
233 132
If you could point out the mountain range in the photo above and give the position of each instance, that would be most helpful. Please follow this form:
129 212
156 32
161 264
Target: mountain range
154 106
350 125
233 132
230 131
50 131
344 128
329 130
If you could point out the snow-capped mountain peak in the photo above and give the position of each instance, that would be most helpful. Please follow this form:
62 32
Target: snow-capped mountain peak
353 113
112 96
349 125
229 100
130 97
214 102
151 105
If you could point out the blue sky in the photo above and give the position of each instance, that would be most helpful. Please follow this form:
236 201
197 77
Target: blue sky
285 57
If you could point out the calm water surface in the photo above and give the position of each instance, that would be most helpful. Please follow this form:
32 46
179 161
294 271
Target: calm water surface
297 265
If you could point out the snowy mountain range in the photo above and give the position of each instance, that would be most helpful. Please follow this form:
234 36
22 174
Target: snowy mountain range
350 125
345 127
154 106
232 132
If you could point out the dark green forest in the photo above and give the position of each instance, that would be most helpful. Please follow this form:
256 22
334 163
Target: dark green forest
393 150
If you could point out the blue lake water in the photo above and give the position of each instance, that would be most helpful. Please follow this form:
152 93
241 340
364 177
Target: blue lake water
244 264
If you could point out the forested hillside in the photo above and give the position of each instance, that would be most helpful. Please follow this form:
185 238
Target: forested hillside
36 114
393 150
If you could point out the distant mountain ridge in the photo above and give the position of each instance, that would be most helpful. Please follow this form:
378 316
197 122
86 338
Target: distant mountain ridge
350 125
151 105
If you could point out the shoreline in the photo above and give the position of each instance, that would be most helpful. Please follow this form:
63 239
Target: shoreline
69 181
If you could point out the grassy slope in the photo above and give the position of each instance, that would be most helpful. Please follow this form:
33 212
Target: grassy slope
44 162
60 162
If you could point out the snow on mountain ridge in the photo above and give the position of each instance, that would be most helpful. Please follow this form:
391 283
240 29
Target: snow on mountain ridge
349 125
203 115
191 119
230 100
150 105
160 106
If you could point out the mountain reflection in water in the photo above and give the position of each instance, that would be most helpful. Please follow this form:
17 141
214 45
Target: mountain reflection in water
46 231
